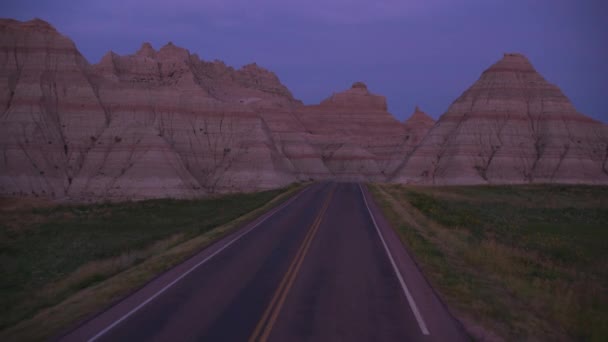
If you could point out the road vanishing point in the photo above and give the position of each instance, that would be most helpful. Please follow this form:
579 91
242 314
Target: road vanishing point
323 266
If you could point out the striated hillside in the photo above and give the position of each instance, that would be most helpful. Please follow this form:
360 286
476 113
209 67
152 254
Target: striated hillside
511 126
167 124
130 127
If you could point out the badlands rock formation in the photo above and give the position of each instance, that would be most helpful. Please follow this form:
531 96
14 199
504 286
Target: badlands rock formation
418 125
168 124
154 124
511 126
356 136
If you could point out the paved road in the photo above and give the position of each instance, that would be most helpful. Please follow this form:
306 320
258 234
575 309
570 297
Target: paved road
324 266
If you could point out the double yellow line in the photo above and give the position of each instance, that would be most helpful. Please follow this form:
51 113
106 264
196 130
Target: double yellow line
264 326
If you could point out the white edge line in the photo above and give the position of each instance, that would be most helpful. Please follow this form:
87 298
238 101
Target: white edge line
408 295
151 298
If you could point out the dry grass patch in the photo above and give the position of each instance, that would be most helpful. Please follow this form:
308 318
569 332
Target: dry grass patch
62 268
524 262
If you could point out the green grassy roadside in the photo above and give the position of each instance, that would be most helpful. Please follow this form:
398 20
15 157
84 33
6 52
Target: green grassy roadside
512 262
60 264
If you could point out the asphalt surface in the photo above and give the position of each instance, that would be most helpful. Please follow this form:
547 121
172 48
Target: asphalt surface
324 266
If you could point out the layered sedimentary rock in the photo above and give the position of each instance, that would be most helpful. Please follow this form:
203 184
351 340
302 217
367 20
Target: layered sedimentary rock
418 125
511 126
203 111
153 124
165 123
357 137
50 110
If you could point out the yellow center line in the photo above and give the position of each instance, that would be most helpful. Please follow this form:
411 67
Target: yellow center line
264 326
283 282
281 285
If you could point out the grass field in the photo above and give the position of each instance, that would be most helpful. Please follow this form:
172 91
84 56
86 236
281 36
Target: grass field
51 255
512 262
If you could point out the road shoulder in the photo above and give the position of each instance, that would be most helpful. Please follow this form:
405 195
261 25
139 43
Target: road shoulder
442 326
99 304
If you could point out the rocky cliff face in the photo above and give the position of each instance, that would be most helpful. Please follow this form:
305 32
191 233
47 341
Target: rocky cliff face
356 136
153 124
511 126
418 125
167 124
51 111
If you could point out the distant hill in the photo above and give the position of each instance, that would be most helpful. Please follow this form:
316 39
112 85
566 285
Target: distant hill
167 124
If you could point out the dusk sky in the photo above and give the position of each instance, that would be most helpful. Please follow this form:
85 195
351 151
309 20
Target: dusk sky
424 52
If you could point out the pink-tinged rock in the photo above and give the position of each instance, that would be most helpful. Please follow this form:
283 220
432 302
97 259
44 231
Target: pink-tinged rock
131 127
355 135
146 50
418 125
357 96
511 126
131 162
168 124
49 109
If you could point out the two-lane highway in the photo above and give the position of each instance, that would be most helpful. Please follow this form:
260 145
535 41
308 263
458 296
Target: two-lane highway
321 267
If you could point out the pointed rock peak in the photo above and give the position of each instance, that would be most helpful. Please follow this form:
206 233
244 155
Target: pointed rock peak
108 57
256 70
253 67
358 88
359 85
419 116
512 62
107 61
171 46
146 50
173 51
107 64
357 96
218 61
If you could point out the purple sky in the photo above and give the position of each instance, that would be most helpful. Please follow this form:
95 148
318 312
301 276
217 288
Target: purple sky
424 52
